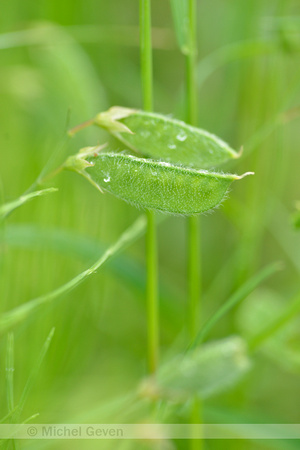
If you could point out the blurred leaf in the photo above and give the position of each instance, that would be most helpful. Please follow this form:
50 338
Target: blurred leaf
13 317
286 30
15 413
69 83
7 208
272 326
75 245
119 35
181 23
8 416
236 298
296 217
204 371
252 414
280 229
33 376
286 315
233 52
10 372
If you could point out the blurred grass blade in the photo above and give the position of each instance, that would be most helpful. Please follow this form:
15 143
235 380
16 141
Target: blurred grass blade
204 371
236 298
84 248
120 35
181 23
13 317
7 208
8 416
296 217
280 229
292 310
233 52
33 376
10 372
30 418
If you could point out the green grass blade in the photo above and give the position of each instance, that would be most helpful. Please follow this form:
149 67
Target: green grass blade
296 217
10 372
125 35
280 229
181 23
7 208
9 415
15 316
85 249
236 298
33 376
233 52
30 418
292 310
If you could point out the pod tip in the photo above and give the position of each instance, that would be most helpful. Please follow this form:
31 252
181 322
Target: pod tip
245 175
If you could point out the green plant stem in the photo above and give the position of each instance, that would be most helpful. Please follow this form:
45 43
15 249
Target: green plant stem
151 246
191 66
152 294
194 261
146 54
194 274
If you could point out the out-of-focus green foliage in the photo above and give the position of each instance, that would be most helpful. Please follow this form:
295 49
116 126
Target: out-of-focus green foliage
7 208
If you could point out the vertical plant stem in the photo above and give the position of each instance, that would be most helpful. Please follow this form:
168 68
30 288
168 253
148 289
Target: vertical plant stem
194 261
151 245
152 294
191 59
146 54
194 284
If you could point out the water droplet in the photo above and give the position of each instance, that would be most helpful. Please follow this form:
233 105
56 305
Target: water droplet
181 137
165 164
106 180
172 146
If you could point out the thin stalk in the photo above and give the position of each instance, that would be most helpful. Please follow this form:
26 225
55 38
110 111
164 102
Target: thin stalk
194 282
152 294
146 54
191 66
151 245
194 261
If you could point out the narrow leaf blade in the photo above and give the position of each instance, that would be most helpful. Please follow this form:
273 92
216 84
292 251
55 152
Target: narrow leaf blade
7 208
11 318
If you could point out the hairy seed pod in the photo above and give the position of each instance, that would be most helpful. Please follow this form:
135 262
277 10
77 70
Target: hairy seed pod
160 137
151 184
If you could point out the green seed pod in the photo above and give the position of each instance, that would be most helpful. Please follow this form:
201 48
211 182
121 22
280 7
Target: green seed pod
152 184
163 138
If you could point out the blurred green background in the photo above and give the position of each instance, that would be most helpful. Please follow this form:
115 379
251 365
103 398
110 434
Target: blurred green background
61 63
